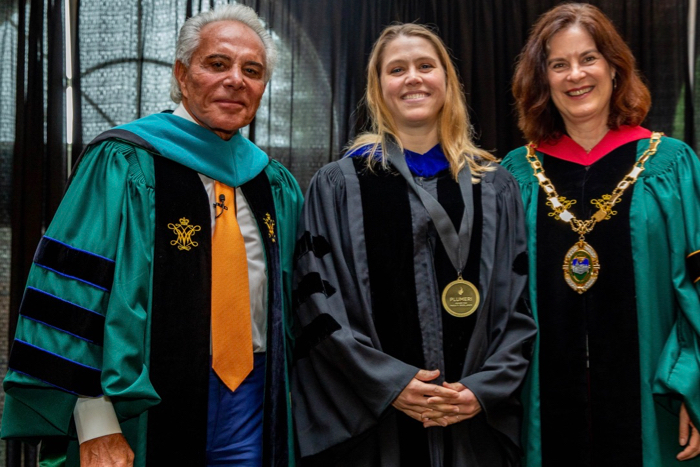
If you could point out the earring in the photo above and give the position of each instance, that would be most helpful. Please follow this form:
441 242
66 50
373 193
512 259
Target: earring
614 82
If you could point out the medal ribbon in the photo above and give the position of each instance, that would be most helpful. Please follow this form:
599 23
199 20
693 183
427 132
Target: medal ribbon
456 244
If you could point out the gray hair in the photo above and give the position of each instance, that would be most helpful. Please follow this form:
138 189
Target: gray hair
190 33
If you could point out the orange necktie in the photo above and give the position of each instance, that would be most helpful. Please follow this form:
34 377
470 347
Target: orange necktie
232 341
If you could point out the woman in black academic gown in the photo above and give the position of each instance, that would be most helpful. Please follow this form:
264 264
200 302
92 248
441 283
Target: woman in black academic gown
410 269
615 379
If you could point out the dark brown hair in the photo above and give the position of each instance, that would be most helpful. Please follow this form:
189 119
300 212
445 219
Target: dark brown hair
538 118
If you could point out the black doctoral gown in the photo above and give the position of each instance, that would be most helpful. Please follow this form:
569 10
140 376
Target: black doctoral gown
370 273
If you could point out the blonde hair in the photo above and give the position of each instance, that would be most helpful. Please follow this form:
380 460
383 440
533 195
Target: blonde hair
454 129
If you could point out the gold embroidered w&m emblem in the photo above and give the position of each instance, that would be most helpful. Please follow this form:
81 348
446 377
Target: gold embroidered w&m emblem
270 223
184 232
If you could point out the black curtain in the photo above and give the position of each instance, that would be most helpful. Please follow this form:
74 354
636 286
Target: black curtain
310 110
123 52
39 162
485 38
9 26
39 168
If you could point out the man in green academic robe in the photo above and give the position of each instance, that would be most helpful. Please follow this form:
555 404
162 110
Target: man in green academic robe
111 363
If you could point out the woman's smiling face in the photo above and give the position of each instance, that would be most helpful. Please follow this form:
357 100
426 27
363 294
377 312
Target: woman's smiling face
413 82
580 79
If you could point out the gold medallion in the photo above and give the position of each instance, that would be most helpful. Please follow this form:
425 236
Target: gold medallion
460 298
581 266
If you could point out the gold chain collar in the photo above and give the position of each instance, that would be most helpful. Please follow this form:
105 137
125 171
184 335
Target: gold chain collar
560 205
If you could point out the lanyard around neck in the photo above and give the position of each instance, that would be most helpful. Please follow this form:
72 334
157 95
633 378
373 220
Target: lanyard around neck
456 244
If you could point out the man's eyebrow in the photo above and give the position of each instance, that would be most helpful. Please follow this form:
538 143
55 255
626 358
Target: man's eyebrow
255 63
224 56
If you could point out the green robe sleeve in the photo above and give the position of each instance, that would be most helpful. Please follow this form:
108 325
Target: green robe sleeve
104 223
288 204
671 198
288 200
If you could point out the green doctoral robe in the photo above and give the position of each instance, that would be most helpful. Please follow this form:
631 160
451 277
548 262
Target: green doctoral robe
664 228
85 321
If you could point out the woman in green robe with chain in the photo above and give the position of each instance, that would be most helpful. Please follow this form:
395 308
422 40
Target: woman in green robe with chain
613 220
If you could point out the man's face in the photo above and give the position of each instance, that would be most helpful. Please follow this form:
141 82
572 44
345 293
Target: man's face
224 83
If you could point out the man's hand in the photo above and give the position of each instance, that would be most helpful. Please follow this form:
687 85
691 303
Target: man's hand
413 400
106 451
466 402
687 436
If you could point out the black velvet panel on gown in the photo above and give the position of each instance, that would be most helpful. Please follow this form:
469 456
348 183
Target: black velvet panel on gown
179 359
457 332
389 242
590 405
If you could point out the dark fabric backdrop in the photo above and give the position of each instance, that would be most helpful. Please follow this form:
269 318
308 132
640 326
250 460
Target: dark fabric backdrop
123 51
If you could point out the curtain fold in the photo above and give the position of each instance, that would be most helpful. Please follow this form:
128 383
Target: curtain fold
77 133
34 185
54 152
27 169
11 23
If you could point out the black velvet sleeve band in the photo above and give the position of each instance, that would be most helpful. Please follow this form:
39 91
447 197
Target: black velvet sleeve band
55 370
81 265
314 333
53 311
309 285
521 264
308 243
693 264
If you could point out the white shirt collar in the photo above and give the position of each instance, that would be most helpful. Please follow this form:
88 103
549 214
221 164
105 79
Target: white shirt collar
181 111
